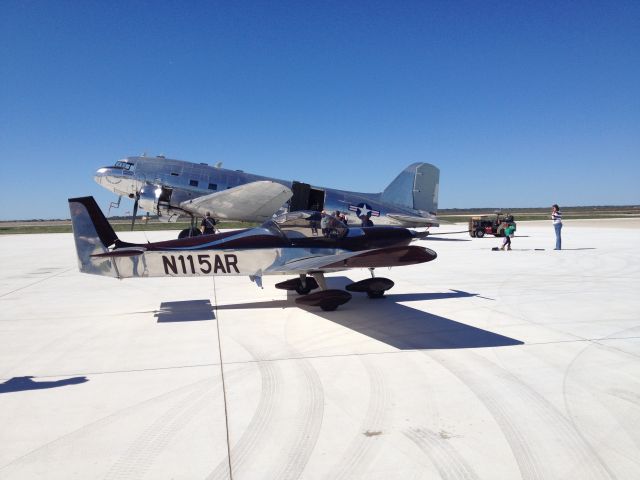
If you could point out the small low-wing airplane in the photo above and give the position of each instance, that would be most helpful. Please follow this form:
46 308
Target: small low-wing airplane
304 243
174 188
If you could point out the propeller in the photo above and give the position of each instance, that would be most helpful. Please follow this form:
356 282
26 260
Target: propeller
135 210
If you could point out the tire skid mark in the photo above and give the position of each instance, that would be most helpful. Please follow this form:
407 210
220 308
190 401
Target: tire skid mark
256 431
354 461
571 417
449 463
298 449
527 461
76 336
76 435
145 449
524 402
629 425
5 294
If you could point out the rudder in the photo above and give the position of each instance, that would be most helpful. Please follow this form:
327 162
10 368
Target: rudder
416 187
92 235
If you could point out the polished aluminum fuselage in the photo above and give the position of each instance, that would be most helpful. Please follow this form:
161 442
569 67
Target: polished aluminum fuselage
149 177
294 245
188 263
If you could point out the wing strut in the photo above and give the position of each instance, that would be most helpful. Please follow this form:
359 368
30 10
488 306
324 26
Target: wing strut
319 278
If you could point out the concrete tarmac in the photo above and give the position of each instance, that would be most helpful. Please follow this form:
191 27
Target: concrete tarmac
478 365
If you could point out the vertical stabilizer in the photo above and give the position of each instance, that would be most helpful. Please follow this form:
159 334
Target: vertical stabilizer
416 187
92 235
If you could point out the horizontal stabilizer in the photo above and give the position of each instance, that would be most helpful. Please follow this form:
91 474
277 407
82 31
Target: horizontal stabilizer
122 252
250 202
414 220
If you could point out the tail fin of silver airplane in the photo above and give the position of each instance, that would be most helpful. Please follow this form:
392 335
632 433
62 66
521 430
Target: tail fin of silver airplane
416 187
93 235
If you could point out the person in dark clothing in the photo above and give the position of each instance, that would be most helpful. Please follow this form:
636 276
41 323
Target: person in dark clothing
324 224
208 225
366 221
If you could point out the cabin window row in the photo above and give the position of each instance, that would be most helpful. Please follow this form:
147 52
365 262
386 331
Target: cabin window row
212 186
195 183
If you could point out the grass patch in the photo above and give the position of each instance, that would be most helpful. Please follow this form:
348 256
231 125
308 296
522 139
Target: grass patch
449 215
65 227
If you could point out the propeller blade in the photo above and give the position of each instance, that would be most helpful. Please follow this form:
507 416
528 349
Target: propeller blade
135 211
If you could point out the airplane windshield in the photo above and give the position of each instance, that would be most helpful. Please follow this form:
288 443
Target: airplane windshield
124 165
309 224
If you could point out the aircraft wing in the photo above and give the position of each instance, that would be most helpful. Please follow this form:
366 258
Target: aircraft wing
251 201
374 258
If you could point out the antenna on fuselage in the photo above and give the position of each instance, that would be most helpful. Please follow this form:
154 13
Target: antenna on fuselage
218 165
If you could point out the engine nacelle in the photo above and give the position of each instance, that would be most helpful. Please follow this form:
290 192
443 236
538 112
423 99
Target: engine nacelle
157 200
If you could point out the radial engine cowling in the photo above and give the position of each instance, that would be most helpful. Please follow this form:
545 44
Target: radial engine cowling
157 200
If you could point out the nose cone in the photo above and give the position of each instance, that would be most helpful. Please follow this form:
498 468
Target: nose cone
101 176
115 180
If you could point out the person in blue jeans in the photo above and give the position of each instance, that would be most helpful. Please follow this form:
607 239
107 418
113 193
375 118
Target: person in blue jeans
556 217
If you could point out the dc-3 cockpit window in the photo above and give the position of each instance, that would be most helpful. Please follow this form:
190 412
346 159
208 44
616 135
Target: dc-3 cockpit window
308 224
124 165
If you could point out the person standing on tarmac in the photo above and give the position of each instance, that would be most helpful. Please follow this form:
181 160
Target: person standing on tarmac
508 233
208 225
324 223
556 217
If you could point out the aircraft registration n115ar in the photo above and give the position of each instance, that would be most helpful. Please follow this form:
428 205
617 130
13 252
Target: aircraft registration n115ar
174 188
304 243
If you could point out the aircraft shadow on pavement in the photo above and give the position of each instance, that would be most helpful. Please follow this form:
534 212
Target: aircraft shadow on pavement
185 311
408 328
397 325
19 384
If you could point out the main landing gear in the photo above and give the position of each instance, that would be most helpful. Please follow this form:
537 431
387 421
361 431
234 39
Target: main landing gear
192 231
189 232
302 285
330 299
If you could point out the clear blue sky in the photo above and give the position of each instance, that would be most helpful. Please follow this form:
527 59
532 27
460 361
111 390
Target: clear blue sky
518 103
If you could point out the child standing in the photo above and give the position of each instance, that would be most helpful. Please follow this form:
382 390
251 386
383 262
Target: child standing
508 233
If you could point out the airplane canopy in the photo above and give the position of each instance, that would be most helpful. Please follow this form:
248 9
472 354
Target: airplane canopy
307 224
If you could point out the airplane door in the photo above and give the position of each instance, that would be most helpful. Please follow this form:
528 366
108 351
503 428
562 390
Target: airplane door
306 198
165 196
300 198
316 200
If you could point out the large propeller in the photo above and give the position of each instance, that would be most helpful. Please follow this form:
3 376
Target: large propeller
135 210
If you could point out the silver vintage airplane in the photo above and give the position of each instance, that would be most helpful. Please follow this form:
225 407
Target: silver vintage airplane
304 243
174 188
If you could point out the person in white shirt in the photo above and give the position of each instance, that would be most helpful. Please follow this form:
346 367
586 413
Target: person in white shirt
556 216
